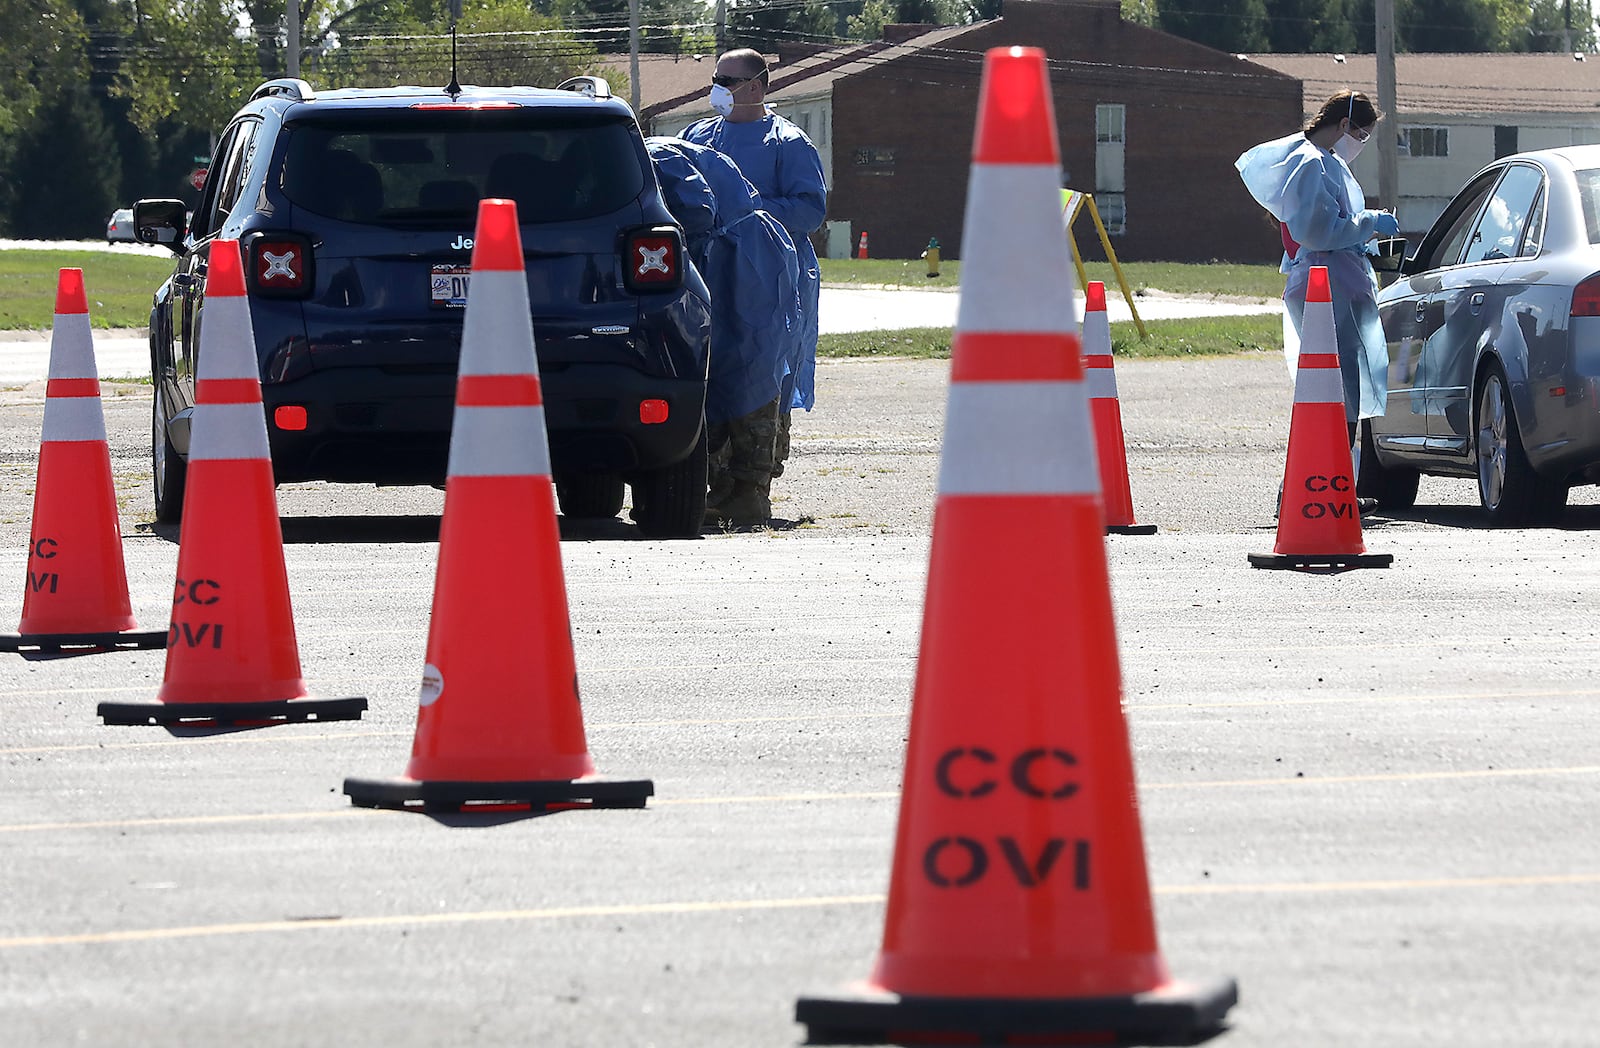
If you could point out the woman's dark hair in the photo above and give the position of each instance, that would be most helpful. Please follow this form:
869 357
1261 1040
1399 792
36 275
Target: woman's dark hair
1344 103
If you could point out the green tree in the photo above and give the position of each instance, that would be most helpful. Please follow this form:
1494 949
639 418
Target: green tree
1227 25
1559 25
197 60
187 62
764 26
868 25
499 42
71 168
42 55
1444 26
1141 12
1308 26
666 26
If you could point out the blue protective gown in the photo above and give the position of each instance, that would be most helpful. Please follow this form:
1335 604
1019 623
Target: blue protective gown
783 165
749 265
1312 192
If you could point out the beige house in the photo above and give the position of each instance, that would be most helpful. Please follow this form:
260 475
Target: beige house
1457 112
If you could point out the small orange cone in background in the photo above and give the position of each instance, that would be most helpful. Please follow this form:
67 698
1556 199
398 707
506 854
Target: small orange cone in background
861 249
1019 907
231 651
1319 521
499 725
1101 376
77 593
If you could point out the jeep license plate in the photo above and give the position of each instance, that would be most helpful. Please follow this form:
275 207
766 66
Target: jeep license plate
449 286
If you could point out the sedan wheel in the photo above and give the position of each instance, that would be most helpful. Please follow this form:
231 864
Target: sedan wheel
1508 487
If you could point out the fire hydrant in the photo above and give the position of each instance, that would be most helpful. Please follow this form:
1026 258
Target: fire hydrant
932 255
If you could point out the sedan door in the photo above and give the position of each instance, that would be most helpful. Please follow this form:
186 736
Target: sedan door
1412 313
1470 302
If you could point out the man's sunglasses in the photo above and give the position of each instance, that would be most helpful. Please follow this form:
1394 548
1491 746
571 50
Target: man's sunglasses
731 81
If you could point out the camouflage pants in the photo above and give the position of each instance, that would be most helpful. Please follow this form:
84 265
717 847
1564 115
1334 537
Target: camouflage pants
780 447
742 450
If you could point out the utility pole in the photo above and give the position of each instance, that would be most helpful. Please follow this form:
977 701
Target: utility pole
722 25
633 52
1389 139
292 15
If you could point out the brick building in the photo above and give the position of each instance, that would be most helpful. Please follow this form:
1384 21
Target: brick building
1149 123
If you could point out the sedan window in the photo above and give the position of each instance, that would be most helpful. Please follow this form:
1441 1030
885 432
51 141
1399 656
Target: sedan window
1589 195
1499 232
1533 239
1443 244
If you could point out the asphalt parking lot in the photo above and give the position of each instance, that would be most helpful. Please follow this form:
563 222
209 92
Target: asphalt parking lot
1370 796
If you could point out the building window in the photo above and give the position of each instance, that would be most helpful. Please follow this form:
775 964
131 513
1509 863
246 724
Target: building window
1110 172
802 120
1426 141
1113 211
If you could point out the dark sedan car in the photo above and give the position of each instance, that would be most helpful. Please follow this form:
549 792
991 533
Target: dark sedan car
1493 326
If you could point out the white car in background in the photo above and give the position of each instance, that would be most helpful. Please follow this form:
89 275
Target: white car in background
120 226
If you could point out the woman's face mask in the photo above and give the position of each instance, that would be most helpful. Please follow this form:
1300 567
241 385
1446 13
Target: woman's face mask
1349 147
721 100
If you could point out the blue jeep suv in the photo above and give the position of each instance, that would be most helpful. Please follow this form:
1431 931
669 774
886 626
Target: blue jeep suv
355 210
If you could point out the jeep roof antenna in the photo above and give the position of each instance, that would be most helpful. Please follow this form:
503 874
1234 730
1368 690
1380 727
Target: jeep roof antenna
453 88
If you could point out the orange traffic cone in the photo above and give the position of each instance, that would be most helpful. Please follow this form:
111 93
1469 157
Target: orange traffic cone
861 248
1319 522
1101 377
77 593
1019 906
499 723
231 651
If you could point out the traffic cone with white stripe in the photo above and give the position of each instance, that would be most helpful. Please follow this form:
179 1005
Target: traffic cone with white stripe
1019 907
499 725
77 593
1101 376
232 657
1319 520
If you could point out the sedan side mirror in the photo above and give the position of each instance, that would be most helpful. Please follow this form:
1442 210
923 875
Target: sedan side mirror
161 222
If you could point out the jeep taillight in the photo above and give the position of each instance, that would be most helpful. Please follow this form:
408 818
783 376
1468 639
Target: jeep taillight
653 259
279 265
1586 297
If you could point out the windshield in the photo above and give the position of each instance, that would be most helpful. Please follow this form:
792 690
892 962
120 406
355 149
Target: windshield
405 167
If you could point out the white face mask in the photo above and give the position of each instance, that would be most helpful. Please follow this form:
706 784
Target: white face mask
721 100
1349 147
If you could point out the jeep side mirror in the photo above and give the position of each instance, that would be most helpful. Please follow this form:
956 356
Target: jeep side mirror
161 222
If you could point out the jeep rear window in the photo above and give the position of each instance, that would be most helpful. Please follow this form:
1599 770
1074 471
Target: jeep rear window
405 167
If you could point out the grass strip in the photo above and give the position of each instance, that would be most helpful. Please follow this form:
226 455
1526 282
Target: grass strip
1188 337
119 287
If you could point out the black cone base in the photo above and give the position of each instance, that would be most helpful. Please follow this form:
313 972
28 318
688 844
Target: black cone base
1321 561
536 795
1130 529
82 642
200 714
1177 1013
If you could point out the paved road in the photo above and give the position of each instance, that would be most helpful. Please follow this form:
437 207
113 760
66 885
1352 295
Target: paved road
1370 796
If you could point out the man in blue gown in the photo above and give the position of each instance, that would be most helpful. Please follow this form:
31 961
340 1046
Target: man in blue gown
785 168
751 269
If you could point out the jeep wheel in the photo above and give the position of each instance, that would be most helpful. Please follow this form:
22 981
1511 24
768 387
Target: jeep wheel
670 503
589 495
167 467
